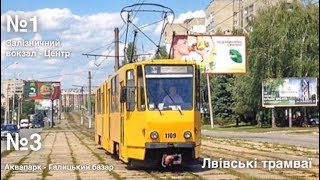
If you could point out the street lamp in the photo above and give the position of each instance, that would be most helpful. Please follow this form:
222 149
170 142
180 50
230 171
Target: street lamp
7 109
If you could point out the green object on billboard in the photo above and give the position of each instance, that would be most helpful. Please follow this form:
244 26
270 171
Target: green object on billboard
235 56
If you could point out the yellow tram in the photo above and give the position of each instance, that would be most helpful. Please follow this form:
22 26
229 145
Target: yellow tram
139 120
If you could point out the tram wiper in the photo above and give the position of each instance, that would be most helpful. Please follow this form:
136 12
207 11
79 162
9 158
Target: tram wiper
154 99
172 101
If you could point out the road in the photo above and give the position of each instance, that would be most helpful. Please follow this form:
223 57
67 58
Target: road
24 133
303 140
71 144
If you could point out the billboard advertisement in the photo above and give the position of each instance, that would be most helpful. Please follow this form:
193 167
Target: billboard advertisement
35 90
288 92
44 104
215 54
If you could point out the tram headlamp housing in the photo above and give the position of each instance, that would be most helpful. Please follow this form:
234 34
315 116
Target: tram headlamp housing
187 135
154 135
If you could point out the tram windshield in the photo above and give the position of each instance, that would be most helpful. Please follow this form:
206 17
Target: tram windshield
169 87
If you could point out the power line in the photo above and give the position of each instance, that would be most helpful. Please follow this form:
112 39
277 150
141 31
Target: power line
75 73
109 44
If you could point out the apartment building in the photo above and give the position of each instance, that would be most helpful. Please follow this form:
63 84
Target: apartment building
74 99
13 86
222 16
226 15
189 26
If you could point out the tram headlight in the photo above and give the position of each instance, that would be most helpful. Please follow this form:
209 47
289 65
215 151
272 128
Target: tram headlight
187 135
154 135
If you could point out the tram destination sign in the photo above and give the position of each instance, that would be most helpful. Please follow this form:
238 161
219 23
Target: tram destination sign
166 69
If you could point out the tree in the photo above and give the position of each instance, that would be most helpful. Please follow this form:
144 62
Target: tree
131 53
163 54
284 43
2 114
27 108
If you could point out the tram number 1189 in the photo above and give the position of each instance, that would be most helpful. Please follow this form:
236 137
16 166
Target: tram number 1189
170 135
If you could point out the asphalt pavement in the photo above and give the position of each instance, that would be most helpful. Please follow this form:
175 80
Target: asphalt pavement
285 138
24 133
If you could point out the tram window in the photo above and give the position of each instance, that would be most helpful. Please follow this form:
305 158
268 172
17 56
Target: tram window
130 90
140 98
198 89
99 101
117 86
113 94
103 103
106 98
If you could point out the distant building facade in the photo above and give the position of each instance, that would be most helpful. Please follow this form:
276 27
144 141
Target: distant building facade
74 99
226 15
189 26
13 86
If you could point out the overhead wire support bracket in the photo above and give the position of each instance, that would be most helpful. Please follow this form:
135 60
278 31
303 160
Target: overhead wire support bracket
146 8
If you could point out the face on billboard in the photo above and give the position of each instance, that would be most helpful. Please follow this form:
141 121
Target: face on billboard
214 54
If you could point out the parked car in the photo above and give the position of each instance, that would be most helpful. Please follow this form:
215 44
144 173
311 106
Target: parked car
38 125
9 128
24 123
314 119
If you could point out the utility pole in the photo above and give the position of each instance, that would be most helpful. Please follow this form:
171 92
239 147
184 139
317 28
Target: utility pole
116 51
233 16
19 110
13 104
81 106
7 111
60 107
209 100
89 105
52 113
83 100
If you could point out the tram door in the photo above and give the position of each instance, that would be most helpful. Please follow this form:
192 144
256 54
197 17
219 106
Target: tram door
122 106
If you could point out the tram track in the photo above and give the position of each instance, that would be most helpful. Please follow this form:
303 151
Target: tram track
22 160
86 136
210 149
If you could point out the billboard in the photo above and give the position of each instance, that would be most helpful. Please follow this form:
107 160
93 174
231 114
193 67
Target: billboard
288 92
35 90
44 104
215 54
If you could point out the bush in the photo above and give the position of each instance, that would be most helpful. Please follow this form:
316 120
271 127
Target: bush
223 121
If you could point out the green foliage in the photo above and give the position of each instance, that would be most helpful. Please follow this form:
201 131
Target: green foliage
28 108
163 54
131 53
221 96
2 114
284 43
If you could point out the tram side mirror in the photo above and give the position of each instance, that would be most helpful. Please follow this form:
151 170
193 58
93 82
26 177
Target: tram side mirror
123 95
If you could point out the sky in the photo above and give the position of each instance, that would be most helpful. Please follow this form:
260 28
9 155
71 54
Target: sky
80 27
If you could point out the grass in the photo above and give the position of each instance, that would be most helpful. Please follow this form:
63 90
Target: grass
256 129
9 174
74 161
6 153
101 160
45 171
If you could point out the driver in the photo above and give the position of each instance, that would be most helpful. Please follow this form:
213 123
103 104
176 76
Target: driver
172 97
